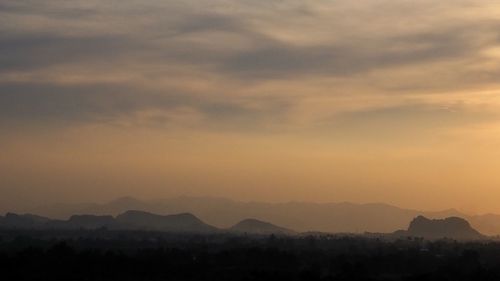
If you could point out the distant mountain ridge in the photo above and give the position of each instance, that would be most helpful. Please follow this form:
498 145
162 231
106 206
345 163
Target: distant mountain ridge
300 216
146 221
139 220
23 221
255 226
451 227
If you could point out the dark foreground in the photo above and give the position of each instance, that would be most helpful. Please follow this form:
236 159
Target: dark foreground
106 255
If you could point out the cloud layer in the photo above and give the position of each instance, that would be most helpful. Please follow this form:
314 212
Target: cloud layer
94 59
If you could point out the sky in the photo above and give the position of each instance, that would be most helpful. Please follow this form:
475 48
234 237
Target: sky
392 101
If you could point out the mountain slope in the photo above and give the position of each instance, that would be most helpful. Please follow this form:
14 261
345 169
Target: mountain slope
185 222
130 220
12 220
253 226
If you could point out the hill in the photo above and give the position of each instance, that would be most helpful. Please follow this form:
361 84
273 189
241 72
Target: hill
253 226
129 220
185 222
452 227
84 222
12 220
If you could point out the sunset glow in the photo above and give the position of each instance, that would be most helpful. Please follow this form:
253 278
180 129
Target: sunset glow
276 101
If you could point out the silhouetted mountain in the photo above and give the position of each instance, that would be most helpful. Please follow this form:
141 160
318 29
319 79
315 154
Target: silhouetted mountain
300 216
173 223
130 220
253 226
452 227
23 221
83 222
91 221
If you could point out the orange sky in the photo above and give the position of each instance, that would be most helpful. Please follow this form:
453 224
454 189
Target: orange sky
364 101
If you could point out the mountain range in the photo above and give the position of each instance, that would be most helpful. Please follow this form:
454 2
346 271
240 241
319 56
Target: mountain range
299 216
138 220
452 227
259 227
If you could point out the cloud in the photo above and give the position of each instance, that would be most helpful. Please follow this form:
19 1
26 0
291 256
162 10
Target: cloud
93 61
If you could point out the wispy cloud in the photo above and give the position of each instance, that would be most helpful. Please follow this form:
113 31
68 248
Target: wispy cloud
94 59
